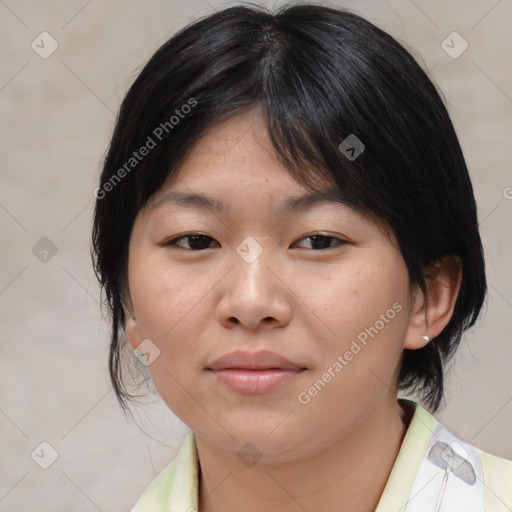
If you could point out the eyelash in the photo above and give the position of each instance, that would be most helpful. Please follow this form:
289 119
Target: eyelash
173 241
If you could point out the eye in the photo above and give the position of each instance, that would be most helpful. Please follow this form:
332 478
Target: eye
197 241
320 241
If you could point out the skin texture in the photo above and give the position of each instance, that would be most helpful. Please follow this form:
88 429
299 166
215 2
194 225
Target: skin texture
305 303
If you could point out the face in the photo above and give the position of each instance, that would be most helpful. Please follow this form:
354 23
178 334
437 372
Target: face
322 287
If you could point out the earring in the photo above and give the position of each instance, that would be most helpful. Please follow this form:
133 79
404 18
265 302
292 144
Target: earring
426 338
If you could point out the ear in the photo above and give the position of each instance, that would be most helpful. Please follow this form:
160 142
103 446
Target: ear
431 313
131 326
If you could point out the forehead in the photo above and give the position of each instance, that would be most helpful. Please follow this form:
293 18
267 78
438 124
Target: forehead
291 204
232 173
243 128
233 168
234 157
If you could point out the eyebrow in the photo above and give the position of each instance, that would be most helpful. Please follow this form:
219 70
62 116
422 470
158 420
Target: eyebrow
293 204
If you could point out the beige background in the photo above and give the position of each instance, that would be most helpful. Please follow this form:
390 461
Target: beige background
57 115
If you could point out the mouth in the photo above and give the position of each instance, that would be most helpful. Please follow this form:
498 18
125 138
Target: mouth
254 373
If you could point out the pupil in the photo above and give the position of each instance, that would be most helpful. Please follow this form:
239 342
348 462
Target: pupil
198 238
324 245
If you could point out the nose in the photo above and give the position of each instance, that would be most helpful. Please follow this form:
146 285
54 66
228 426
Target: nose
254 293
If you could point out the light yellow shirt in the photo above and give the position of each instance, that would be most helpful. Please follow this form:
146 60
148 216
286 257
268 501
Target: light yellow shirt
434 471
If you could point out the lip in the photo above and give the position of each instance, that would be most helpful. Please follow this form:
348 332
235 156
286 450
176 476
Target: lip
254 373
262 360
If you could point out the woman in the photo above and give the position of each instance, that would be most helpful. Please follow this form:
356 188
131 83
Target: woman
286 233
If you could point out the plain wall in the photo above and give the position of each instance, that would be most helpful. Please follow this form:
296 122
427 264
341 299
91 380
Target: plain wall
57 116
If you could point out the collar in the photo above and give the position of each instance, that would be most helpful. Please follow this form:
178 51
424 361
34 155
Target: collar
422 476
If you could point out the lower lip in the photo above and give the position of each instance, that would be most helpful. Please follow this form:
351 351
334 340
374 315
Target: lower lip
255 382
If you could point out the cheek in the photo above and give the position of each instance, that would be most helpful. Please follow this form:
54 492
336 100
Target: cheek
169 310
162 296
172 305
357 295
364 309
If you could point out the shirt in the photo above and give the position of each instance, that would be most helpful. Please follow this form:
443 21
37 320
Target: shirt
434 471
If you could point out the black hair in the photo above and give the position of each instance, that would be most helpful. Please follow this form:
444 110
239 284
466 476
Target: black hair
319 75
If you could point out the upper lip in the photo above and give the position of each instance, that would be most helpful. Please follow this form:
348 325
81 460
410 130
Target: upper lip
262 360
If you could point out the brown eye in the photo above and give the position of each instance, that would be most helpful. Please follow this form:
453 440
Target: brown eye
322 242
197 241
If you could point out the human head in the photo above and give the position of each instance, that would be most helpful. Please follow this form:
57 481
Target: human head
318 75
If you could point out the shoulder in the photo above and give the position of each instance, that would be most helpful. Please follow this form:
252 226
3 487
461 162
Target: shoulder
497 480
175 487
457 475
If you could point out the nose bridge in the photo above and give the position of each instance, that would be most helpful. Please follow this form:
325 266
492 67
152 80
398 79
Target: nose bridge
252 293
251 261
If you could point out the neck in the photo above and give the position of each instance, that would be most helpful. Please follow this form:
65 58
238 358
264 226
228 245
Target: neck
348 475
